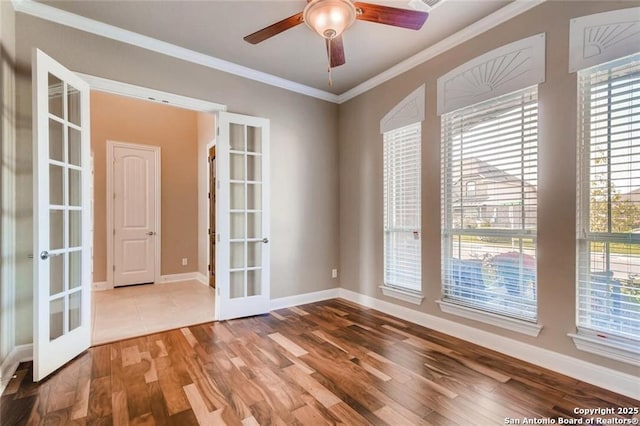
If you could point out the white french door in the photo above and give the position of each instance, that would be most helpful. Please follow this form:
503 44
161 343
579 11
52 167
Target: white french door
62 216
242 215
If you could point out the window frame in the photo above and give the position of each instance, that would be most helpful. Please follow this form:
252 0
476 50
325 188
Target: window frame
449 303
389 287
602 341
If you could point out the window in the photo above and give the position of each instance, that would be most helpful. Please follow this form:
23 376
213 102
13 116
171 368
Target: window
608 219
471 189
402 213
489 199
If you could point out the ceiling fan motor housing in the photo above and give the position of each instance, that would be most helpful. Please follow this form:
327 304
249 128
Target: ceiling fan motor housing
329 18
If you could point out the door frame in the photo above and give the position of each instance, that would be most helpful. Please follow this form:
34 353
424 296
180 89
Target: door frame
208 147
111 145
150 95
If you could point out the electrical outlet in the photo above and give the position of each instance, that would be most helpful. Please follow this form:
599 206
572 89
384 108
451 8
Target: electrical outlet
334 273
184 261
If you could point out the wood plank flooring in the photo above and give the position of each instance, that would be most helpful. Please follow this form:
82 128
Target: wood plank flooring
331 362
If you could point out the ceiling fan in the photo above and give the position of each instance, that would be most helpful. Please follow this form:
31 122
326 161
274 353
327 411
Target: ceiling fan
329 18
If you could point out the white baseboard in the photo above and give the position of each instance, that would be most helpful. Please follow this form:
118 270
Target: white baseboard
174 278
178 277
19 354
101 286
615 381
202 279
301 299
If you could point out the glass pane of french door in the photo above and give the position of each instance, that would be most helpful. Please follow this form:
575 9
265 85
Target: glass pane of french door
65 209
245 214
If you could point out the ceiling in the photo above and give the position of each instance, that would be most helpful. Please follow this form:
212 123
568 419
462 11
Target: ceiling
216 28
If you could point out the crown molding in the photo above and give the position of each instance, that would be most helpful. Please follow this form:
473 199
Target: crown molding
92 26
50 13
485 24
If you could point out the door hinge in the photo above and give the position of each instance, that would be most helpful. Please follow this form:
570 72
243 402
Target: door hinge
218 131
114 231
209 231
114 195
114 268
209 195
218 237
208 267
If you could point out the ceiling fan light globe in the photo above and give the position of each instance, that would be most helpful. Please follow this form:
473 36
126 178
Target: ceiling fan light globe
329 18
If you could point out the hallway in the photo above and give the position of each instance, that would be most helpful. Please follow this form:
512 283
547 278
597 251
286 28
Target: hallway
133 311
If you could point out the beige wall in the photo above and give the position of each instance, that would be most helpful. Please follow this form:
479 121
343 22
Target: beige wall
304 153
361 218
7 177
175 131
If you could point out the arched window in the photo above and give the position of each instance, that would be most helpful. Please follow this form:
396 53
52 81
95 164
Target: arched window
489 122
608 206
402 139
470 189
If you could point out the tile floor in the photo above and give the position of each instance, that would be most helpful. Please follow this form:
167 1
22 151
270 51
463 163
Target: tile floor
137 310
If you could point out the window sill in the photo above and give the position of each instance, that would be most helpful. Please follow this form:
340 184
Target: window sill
519 326
404 295
609 348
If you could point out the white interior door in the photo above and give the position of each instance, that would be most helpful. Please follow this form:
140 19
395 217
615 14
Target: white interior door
62 216
135 192
242 253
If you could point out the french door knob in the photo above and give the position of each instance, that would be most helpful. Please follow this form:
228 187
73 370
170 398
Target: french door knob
44 255
265 240
151 233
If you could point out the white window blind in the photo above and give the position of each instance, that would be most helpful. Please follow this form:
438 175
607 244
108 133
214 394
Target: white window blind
489 200
608 269
402 213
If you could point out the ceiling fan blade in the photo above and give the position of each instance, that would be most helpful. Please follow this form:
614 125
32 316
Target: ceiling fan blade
404 18
335 50
274 29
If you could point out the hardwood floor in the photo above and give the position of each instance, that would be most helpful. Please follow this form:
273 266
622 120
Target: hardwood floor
331 362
